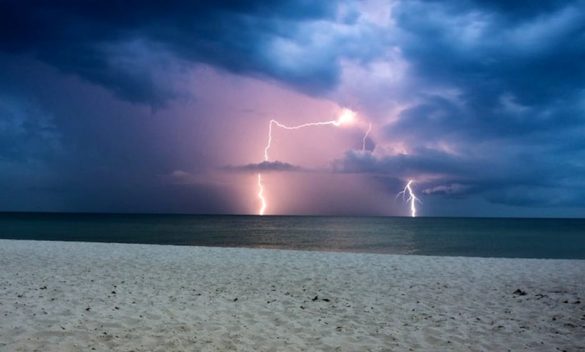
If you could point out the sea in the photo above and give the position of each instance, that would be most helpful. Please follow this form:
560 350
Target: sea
470 237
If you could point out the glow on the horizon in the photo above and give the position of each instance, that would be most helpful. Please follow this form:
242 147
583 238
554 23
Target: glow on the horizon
412 198
346 117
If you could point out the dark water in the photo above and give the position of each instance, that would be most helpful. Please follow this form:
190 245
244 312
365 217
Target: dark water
522 238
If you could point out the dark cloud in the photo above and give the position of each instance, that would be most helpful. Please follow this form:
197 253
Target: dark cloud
489 97
402 165
265 166
254 37
437 118
496 103
66 145
536 58
516 9
26 132
514 179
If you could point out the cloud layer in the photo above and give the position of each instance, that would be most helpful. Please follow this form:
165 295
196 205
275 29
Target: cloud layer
477 101
495 105
117 45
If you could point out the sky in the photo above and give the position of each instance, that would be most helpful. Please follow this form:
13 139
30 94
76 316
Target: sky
164 107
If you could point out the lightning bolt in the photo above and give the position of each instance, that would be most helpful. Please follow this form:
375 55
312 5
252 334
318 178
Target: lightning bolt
335 123
412 198
345 118
261 196
366 137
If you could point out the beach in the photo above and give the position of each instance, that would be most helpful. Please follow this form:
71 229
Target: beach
73 296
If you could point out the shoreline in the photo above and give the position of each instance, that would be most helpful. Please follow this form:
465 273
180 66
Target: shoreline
146 297
276 248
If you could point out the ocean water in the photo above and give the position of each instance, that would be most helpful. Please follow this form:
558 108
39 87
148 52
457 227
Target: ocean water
476 237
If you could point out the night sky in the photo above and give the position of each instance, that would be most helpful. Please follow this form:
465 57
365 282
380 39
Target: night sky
153 106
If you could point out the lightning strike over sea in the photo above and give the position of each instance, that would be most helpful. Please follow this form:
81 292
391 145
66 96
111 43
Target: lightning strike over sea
346 117
412 198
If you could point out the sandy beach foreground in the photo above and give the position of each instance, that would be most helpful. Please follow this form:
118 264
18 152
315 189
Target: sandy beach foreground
58 296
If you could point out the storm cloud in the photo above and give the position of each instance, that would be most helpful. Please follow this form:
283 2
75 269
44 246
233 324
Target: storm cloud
116 45
498 107
480 102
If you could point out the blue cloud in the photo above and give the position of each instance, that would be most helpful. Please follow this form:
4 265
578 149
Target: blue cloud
263 38
492 105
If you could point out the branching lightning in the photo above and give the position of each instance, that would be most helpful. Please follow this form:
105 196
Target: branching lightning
346 117
412 198
335 123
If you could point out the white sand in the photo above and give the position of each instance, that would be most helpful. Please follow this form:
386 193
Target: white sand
57 296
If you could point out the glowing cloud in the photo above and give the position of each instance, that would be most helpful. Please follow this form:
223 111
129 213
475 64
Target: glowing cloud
347 117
